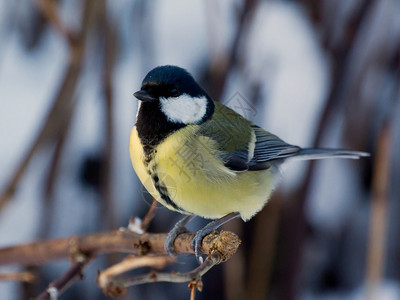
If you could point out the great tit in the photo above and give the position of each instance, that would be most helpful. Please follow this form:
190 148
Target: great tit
200 158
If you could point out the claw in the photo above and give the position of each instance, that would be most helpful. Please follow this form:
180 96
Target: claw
197 242
210 227
175 231
198 238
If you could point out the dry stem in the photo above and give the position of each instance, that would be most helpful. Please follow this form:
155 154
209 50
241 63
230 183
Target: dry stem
148 248
377 233
125 241
60 284
221 247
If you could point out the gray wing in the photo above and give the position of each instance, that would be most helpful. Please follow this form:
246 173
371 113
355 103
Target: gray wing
269 147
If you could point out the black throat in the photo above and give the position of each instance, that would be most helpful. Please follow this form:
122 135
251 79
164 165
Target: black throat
153 126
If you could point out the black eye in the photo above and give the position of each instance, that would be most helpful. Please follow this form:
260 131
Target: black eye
174 92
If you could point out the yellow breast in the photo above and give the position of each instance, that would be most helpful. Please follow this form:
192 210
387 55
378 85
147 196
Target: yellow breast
196 180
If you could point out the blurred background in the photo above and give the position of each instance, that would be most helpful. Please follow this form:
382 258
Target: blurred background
316 73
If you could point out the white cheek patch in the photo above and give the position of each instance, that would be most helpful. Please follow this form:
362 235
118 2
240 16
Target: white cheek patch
184 109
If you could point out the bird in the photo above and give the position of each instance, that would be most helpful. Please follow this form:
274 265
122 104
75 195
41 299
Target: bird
198 157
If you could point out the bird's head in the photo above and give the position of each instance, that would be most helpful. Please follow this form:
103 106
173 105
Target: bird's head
174 92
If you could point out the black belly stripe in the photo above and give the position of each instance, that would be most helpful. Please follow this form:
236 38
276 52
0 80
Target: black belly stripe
161 188
163 191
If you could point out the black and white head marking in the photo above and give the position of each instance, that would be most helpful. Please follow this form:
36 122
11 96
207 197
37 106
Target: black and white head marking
170 99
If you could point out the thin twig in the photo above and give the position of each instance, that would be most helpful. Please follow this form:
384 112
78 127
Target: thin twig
110 54
149 216
139 226
193 277
294 228
209 262
380 190
62 283
63 103
113 287
227 63
263 249
50 12
52 176
18 276
236 272
192 287
341 55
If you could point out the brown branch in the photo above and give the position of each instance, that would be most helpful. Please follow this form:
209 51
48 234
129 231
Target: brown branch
18 276
224 246
62 106
149 216
221 71
110 54
213 259
149 249
118 241
380 191
117 287
293 217
263 250
193 286
341 55
49 10
235 273
52 176
113 287
139 226
61 284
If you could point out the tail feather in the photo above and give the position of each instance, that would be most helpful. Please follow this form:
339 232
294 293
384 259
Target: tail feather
318 153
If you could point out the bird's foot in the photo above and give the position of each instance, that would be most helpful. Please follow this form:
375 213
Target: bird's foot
198 239
175 231
210 227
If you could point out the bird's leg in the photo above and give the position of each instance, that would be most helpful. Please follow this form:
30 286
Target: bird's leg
175 231
210 227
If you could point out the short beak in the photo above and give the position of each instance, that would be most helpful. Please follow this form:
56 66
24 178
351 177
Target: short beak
144 96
